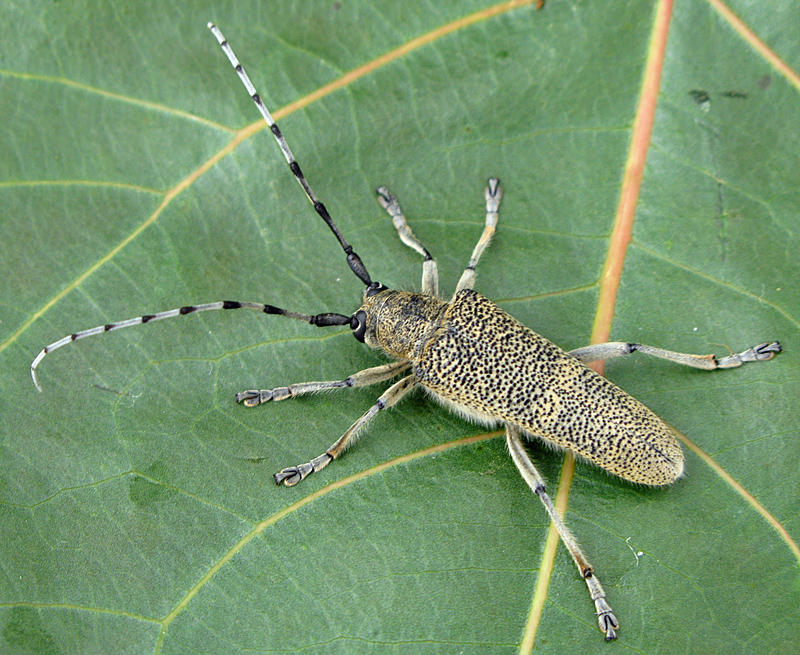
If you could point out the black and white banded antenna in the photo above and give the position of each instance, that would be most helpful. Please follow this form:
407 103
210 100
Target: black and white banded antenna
356 265
325 319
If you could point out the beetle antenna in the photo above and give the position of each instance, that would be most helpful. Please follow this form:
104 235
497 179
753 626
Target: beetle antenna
326 319
353 260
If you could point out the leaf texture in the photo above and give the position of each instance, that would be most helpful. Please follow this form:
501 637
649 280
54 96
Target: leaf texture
138 509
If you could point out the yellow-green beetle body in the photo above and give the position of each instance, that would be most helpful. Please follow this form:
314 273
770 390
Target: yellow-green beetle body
483 363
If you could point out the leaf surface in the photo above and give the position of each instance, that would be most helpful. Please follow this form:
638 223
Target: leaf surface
138 509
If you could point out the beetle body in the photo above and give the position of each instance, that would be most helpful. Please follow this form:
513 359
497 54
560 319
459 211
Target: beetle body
481 362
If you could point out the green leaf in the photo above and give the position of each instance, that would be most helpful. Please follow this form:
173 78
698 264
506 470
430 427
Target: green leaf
138 509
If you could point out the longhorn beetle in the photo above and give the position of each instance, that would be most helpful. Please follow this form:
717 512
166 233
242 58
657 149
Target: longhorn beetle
480 362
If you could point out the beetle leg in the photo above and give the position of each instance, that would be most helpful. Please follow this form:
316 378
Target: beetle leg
368 376
493 193
291 475
605 616
761 352
430 273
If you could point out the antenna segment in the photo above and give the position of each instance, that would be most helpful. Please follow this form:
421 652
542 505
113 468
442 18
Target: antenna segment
353 260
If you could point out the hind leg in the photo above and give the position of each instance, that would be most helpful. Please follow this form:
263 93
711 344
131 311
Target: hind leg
612 349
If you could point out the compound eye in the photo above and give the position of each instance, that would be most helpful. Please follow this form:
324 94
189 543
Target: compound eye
358 324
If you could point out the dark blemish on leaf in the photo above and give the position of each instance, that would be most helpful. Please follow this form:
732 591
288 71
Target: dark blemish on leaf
254 459
741 95
702 98
114 391
764 81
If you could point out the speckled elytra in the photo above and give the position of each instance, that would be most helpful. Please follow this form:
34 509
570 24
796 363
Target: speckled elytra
480 362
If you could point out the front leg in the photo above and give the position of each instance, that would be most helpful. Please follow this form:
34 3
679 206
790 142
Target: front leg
368 376
430 273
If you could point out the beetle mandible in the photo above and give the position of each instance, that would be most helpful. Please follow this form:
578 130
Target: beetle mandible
479 361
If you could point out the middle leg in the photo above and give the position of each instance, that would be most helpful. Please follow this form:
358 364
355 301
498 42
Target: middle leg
291 475
493 193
